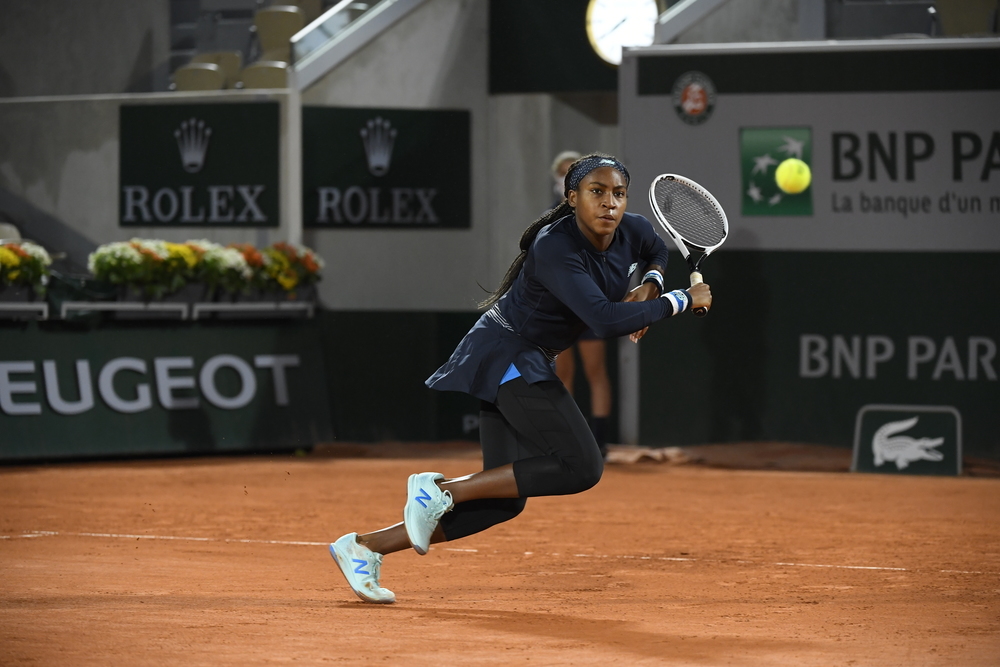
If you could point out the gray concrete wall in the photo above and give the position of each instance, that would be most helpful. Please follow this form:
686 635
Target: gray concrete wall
59 156
437 58
434 58
83 47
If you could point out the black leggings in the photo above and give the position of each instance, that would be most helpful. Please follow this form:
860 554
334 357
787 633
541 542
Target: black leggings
539 428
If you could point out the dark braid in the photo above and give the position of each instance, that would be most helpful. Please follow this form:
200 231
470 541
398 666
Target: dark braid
527 237
589 162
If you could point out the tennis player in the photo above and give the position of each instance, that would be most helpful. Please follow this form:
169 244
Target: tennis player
572 273
592 350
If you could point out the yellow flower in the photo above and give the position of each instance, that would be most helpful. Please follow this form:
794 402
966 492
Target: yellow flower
9 258
184 252
13 275
288 280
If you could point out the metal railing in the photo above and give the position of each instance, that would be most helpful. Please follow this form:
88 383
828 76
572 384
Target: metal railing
340 32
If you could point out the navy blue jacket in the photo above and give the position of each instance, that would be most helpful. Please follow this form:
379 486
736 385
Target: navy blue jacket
565 286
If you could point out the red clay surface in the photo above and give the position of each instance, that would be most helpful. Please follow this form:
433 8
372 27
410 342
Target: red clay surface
657 565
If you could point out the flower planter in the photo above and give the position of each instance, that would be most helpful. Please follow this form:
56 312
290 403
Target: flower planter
222 268
260 304
162 307
20 302
17 293
303 293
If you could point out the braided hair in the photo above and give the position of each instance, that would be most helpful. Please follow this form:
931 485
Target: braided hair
574 175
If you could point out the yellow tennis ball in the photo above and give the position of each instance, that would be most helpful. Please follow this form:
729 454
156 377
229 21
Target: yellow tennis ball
793 176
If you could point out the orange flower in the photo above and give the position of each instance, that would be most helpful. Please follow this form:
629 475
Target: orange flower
250 254
288 250
147 252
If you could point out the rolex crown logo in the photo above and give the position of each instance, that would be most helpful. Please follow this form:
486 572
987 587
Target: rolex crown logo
192 142
378 137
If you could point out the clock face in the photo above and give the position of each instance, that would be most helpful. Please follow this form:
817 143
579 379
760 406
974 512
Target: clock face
612 24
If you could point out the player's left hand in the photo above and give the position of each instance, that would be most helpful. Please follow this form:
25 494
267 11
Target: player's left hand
643 292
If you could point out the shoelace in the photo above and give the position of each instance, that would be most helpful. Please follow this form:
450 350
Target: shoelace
376 568
444 504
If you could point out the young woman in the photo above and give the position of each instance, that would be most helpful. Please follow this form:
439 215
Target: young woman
592 350
572 274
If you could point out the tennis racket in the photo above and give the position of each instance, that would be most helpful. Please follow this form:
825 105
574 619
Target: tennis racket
692 217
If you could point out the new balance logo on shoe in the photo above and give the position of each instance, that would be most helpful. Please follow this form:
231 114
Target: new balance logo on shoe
359 568
424 496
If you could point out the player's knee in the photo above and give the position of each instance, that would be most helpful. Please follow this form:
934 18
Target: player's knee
588 476
514 506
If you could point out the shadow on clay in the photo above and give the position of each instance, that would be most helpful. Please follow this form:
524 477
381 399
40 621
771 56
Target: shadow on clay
620 635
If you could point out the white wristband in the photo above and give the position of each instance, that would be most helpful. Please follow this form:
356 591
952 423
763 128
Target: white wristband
654 276
679 300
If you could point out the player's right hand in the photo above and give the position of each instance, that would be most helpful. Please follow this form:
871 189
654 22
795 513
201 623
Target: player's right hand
701 296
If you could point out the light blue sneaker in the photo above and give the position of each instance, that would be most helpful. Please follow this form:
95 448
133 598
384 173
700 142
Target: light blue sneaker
360 566
426 503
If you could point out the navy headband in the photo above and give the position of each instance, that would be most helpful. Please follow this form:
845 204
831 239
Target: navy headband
589 164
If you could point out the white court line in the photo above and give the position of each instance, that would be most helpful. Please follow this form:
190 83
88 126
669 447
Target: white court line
230 540
48 533
846 567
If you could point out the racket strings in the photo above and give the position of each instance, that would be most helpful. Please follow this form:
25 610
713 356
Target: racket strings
696 218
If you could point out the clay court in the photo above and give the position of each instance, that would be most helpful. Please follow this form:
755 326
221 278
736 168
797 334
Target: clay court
223 561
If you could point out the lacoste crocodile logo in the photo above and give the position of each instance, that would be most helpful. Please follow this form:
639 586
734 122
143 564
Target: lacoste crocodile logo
887 446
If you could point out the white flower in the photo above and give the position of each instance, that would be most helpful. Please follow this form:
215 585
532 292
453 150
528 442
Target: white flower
119 253
229 259
36 251
203 245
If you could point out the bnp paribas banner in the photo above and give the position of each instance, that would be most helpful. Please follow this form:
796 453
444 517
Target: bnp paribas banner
376 168
862 185
160 389
902 139
203 165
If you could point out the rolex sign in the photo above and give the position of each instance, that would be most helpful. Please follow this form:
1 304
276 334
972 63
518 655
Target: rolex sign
400 168
199 165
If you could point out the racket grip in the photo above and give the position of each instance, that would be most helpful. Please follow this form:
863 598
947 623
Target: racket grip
700 311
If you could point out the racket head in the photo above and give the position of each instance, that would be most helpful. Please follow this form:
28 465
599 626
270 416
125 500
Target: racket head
688 213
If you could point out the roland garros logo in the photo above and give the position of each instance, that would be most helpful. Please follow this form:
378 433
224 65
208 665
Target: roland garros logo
693 97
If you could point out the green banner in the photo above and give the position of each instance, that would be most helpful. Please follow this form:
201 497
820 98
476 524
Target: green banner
762 151
797 343
400 168
163 388
202 165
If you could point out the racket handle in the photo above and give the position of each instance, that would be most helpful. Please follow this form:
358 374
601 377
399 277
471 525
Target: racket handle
700 311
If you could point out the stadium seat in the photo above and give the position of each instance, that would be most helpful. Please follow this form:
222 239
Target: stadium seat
199 76
230 62
275 27
265 74
311 9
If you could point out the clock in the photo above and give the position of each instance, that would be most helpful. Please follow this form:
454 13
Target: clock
613 24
